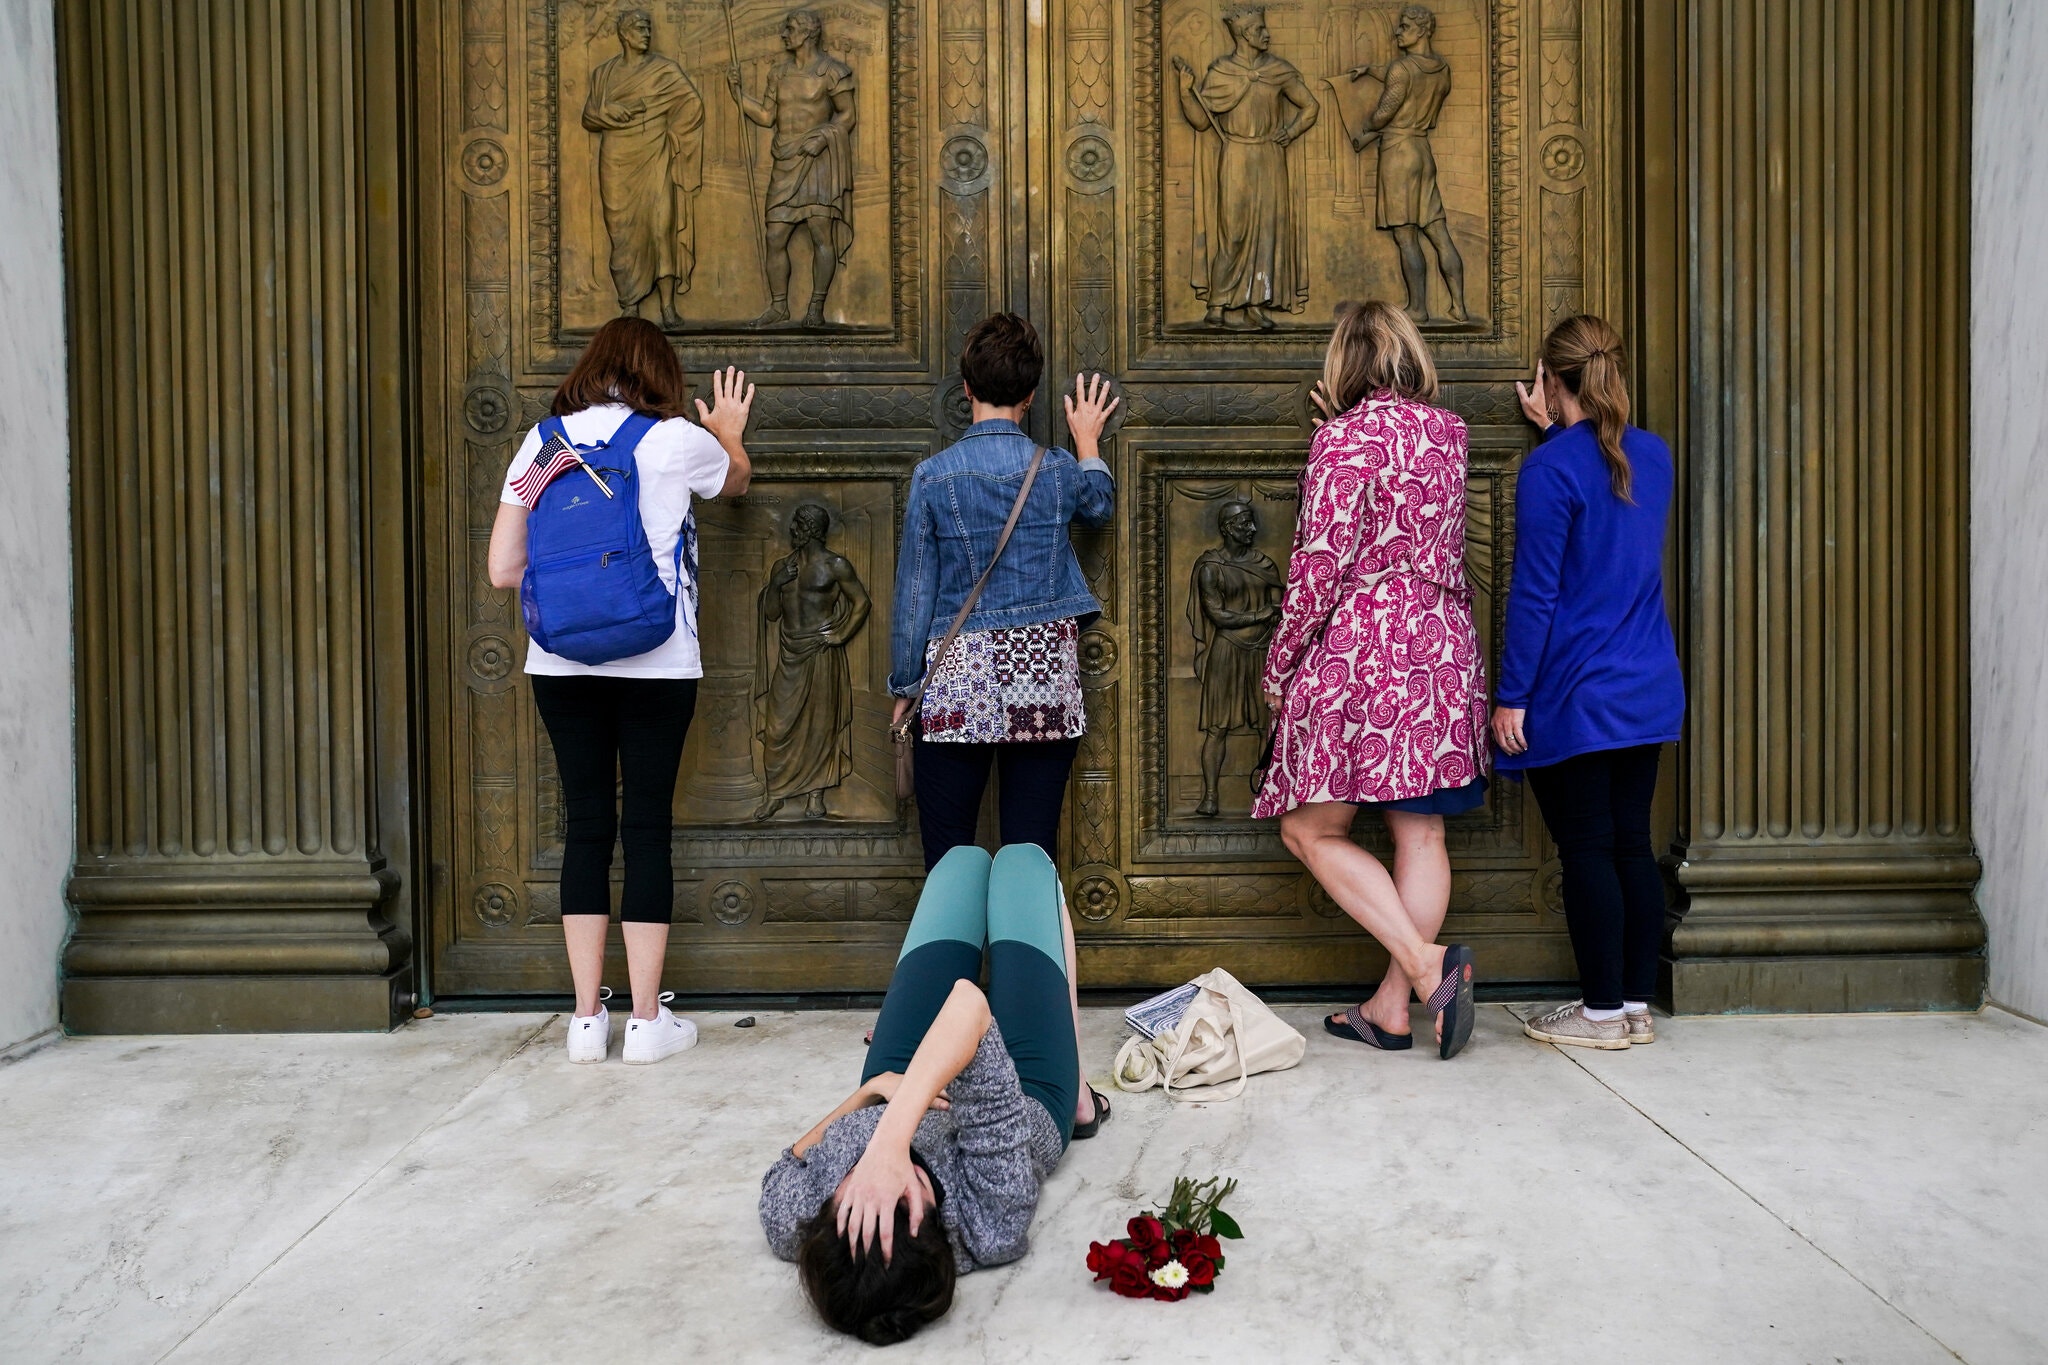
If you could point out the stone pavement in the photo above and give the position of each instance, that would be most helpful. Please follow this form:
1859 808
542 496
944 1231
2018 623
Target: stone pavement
1869 1189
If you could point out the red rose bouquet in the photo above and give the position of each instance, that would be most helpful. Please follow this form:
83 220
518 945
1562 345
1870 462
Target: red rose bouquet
1173 1252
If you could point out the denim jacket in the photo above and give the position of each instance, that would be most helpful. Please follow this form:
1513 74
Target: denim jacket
959 500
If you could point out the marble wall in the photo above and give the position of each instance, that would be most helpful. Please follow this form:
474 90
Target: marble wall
35 532
2009 495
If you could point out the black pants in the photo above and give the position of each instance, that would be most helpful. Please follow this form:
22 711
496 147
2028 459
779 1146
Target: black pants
1031 787
1598 808
618 742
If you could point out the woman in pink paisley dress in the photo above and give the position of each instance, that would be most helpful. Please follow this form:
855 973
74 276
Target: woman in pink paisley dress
1375 675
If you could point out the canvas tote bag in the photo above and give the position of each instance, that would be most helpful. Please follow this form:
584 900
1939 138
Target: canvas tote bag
1227 1036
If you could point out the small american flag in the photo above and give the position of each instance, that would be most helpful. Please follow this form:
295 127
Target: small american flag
555 456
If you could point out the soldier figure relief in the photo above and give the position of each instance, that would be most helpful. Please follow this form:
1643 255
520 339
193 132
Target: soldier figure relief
1413 87
809 102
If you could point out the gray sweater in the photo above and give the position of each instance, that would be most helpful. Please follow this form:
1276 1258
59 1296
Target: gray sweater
989 1153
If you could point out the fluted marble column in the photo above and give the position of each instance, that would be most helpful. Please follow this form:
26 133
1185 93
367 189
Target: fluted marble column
1826 849
229 872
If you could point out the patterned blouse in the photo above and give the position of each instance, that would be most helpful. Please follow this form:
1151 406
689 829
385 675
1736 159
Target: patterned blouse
1005 686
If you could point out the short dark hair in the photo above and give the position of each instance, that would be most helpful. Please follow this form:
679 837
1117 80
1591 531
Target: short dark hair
629 361
881 1303
1002 360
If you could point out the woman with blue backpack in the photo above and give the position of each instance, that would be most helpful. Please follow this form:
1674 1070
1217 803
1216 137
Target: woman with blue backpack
595 530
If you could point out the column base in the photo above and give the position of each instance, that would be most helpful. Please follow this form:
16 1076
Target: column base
278 947
237 1004
1823 985
1819 930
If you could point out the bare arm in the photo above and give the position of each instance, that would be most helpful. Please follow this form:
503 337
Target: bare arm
884 1175
761 111
732 401
849 583
506 561
771 592
1191 107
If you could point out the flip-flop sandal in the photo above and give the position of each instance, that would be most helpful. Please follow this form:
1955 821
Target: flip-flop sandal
1094 1125
1453 998
1356 1028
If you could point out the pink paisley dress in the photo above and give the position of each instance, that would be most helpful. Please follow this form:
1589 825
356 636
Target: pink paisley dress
1376 660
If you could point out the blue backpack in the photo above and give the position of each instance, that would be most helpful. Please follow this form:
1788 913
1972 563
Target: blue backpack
591 592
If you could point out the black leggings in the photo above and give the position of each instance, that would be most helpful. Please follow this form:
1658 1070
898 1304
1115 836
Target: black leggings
618 741
1031 787
1598 808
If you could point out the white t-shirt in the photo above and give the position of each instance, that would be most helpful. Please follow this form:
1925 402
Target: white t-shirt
676 458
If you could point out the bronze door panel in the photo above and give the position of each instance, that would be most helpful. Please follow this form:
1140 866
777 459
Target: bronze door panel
1221 181
897 172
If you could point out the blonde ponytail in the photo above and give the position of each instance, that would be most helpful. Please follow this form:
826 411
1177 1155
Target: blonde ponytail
1585 354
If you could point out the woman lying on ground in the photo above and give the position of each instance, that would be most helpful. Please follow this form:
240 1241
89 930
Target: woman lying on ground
1375 677
932 1167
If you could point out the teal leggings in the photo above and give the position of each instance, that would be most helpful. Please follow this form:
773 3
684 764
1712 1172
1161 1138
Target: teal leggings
1010 905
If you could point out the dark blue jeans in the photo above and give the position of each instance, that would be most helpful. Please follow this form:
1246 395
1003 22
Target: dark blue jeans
1031 788
1598 808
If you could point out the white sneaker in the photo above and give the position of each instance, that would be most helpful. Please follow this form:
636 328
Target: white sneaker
590 1035
650 1040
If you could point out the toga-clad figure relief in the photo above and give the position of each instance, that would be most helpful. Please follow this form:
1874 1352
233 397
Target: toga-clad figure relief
1233 606
1414 84
812 607
649 123
809 102
1250 254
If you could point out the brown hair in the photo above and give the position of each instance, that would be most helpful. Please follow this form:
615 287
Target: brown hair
1002 360
629 361
1375 348
1584 354
880 1302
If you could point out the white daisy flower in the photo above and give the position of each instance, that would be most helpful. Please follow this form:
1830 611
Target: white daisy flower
1172 1275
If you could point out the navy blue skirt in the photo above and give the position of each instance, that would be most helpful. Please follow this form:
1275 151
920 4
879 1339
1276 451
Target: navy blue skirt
1448 801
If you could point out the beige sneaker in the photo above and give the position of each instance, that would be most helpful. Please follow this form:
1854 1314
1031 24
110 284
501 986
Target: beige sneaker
1641 1028
1567 1026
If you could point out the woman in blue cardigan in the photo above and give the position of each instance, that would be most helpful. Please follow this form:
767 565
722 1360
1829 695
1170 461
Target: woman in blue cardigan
1590 687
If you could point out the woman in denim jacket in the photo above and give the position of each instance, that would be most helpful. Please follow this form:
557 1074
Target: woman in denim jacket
1009 692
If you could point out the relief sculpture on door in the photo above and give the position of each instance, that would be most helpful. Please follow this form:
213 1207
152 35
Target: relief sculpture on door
831 195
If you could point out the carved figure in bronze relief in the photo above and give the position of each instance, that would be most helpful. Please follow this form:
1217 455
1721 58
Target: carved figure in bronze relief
809 102
1414 84
649 123
1233 606
813 605
1250 250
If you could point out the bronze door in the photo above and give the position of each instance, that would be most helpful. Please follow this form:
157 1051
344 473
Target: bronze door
930 162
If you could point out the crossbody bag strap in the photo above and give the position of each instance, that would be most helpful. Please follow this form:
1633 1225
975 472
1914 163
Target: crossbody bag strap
974 593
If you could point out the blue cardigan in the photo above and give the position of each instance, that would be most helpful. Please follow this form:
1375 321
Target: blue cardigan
1588 649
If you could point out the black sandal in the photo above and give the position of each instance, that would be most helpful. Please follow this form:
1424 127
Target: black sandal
1356 1028
1094 1125
1453 997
